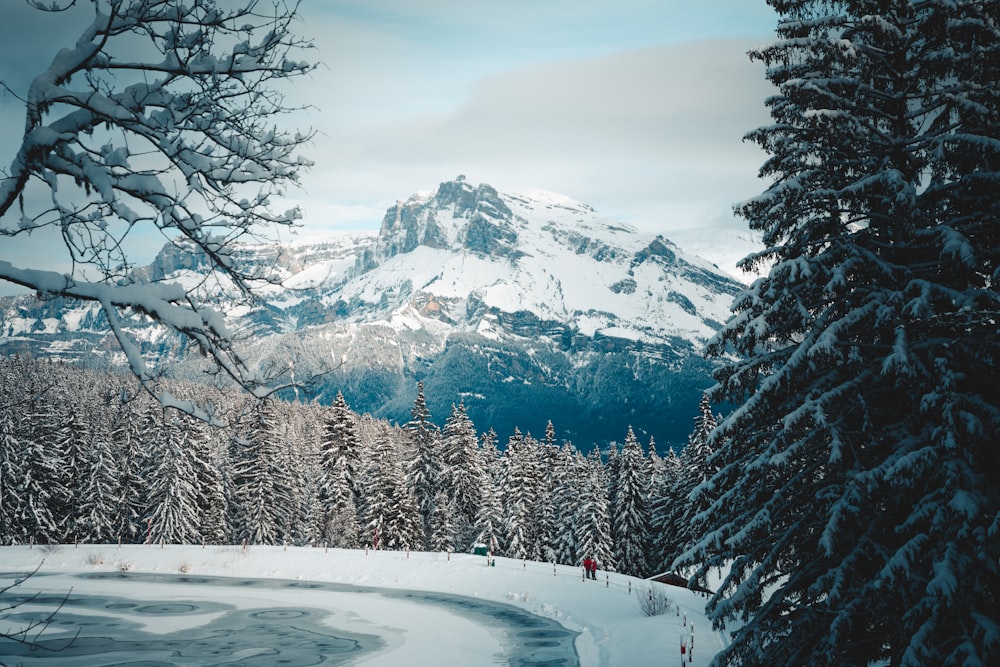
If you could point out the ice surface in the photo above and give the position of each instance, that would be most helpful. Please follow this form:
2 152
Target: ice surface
414 609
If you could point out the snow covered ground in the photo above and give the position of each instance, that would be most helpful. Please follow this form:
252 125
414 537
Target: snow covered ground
391 625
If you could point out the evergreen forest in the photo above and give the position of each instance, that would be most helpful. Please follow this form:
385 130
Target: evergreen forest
88 456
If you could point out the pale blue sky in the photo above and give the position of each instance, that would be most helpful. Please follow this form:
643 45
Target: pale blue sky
636 107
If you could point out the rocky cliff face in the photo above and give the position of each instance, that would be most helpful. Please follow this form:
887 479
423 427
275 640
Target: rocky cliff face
527 306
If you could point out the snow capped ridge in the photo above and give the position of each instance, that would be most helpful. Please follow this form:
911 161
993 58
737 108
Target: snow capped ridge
456 214
285 262
477 250
531 305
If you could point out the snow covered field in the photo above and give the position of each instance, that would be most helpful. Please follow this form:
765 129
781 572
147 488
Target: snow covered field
381 623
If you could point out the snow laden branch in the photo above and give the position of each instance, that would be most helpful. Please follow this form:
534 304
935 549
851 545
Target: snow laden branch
163 117
854 499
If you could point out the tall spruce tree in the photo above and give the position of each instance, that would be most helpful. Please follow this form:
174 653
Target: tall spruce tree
39 462
338 484
666 509
548 455
96 514
263 489
593 519
402 529
460 474
691 493
856 507
173 513
69 436
630 522
521 490
376 483
490 515
391 512
210 491
698 449
132 459
424 467
565 499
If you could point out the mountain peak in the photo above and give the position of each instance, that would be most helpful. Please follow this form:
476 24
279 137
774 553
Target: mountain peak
467 200
456 215
528 306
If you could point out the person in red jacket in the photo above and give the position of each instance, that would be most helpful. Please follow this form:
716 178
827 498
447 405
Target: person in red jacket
590 567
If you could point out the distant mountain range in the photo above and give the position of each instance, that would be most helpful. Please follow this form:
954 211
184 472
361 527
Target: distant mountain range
528 306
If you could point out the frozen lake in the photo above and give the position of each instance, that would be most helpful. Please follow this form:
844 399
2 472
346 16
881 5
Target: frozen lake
153 620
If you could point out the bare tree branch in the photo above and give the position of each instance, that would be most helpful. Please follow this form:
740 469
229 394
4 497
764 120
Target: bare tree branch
30 633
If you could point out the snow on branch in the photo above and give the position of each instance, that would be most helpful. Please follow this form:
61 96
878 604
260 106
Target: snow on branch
164 116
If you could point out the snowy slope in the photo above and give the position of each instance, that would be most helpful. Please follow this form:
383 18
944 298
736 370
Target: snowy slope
724 247
612 630
539 253
462 247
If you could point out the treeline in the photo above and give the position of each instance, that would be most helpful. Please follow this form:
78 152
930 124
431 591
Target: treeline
85 456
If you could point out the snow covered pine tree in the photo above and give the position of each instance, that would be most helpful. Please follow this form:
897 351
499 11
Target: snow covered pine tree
423 469
339 487
856 508
630 518
162 117
460 474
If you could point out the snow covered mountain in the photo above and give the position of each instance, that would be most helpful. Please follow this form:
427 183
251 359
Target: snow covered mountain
724 246
527 306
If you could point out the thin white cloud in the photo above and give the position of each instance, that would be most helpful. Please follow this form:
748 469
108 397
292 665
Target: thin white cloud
653 133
